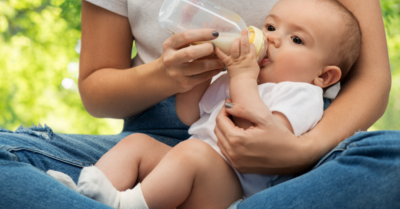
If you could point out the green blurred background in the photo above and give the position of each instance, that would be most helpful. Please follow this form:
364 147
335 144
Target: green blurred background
39 65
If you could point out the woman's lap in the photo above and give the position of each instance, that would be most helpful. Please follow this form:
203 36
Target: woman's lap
25 154
361 172
358 173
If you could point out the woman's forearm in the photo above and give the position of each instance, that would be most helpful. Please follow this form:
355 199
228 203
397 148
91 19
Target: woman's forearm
110 87
117 93
365 91
357 108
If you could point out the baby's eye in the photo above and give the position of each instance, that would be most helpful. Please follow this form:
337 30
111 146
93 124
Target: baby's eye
297 40
270 28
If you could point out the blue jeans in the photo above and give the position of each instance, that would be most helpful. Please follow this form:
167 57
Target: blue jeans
27 153
359 173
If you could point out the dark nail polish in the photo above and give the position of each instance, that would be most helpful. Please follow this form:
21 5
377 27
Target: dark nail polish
228 105
215 33
224 69
213 46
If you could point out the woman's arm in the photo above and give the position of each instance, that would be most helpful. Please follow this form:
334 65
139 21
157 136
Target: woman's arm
270 149
109 87
187 104
365 92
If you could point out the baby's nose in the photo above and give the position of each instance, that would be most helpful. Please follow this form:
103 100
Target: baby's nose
273 38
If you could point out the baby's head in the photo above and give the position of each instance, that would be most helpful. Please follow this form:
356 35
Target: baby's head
313 41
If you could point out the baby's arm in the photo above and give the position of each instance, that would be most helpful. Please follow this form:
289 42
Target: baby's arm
187 104
243 71
244 91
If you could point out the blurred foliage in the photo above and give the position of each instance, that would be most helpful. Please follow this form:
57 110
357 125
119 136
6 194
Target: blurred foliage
39 62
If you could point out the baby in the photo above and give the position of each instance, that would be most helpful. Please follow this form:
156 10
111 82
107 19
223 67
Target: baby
308 50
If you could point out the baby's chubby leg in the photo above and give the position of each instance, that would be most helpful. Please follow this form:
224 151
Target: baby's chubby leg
130 161
191 175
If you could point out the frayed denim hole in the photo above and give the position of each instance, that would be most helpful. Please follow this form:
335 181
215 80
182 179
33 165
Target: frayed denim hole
45 132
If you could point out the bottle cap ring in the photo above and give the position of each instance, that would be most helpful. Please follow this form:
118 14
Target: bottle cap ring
256 37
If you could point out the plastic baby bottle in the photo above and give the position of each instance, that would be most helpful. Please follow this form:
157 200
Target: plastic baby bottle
179 15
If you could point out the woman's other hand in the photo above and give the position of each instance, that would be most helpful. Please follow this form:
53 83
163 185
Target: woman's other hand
267 147
190 66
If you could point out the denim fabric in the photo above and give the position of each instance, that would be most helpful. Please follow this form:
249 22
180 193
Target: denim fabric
361 172
27 153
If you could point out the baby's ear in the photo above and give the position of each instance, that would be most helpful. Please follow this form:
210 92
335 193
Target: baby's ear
329 75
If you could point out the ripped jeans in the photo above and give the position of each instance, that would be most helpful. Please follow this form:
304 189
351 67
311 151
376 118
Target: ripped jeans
361 172
27 153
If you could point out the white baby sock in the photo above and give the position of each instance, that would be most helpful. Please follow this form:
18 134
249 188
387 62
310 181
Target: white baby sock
133 199
95 185
63 178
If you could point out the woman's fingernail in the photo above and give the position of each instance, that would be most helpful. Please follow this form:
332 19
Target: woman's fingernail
215 33
224 69
213 46
228 105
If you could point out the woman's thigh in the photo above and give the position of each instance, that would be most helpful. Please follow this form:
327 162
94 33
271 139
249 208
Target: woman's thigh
31 151
361 172
68 153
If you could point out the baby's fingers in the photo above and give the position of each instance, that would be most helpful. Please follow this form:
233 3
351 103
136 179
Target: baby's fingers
244 42
221 55
235 49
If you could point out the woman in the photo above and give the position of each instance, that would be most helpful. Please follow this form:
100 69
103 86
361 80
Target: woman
112 86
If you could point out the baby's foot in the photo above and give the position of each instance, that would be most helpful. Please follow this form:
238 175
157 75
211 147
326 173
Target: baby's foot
94 184
63 178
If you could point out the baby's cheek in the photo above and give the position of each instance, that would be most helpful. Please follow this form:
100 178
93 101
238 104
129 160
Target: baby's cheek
295 69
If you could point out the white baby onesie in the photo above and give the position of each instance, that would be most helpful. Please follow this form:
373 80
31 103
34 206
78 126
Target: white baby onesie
301 103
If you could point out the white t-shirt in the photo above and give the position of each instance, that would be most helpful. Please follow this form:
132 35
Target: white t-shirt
149 36
301 103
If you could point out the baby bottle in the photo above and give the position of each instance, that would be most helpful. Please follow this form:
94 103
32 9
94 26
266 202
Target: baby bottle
179 15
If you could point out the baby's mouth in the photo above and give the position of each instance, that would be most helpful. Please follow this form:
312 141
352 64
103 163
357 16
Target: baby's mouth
264 60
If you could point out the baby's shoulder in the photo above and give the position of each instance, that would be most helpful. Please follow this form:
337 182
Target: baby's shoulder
297 87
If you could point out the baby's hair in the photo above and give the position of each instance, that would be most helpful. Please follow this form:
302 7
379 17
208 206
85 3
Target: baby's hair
349 45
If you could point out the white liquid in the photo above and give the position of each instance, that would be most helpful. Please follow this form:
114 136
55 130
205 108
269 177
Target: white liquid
224 41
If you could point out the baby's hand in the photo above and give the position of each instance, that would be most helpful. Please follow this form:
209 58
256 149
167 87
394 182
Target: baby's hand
243 60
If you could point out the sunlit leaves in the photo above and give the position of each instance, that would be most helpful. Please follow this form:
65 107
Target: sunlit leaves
37 53
39 64
391 14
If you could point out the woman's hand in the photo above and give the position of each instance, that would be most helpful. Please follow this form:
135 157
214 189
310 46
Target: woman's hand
110 87
183 63
267 147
